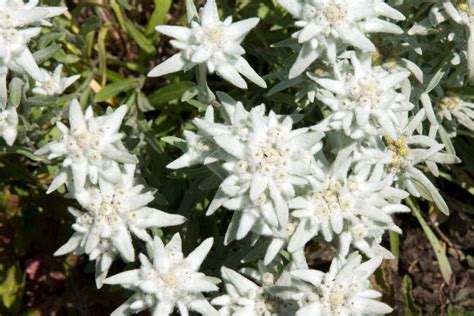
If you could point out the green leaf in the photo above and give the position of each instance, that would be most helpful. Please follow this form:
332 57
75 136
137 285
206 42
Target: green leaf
64 58
176 142
159 15
19 151
101 47
44 54
139 38
171 92
143 103
407 290
191 11
114 89
443 261
15 91
11 287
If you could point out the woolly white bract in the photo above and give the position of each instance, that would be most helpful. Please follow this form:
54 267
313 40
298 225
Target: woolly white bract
16 30
324 23
352 208
169 280
265 159
8 124
113 213
53 83
365 102
454 109
213 43
91 147
344 290
245 297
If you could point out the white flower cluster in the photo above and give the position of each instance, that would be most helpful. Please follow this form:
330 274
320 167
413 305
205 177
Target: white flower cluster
20 22
100 175
338 181
212 43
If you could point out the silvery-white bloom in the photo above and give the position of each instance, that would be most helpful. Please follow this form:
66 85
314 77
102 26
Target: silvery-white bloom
16 16
325 23
8 124
354 205
402 154
168 281
265 160
200 148
344 290
365 102
454 108
212 43
246 298
53 83
92 147
113 213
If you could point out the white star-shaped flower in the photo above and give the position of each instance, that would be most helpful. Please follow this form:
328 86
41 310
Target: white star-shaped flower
344 290
8 124
245 297
266 160
340 202
16 18
212 43
113 213
365 102
91 147
167 281
53 83
402 155
325 23
454 108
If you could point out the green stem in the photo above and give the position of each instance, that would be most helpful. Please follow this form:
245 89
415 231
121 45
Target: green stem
443 261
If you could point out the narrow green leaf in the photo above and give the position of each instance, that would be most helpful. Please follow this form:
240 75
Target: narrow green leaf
114 89
143 103
102 54
159 15
139 38
191 11
15 92
171 92
118 13
395 245
443 262
44 54
176 142
407 290
19 151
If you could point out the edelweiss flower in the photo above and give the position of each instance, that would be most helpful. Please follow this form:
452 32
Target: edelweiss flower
53 83
8 124
325 23
463 14
201 149
169 281
113 213
265 160
344 290
15 17
213 43
92 147
366 102
402 154
244 297
357 206
454 108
